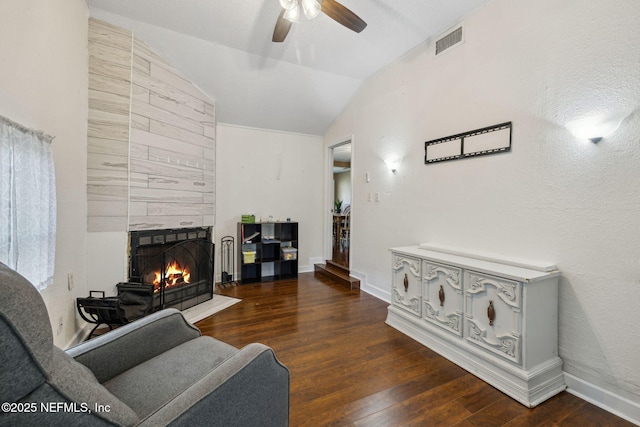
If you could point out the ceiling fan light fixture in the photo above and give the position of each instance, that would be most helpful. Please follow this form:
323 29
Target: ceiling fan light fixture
311 8
293 14
288 4
292 9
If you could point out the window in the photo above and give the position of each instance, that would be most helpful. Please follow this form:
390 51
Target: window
27 203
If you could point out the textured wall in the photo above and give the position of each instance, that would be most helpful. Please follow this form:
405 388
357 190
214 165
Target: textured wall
553 197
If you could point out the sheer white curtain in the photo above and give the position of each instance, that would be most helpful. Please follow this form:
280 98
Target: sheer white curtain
27 203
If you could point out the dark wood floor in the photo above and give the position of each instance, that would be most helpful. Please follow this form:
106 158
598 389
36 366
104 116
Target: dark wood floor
348 368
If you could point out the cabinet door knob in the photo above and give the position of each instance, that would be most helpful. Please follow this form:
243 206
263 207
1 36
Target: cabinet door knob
441 296
406 282
491 313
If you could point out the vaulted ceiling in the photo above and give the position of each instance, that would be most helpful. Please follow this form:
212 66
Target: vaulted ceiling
300 85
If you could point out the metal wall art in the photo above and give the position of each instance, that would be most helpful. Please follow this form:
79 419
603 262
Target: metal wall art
489 140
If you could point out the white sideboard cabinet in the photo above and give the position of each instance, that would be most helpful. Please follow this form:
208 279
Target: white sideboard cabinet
496 318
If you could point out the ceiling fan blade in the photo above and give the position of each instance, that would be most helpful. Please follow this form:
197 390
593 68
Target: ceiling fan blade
342 15
282 28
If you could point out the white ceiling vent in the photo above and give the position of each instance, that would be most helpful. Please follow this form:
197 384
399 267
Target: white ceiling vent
449 40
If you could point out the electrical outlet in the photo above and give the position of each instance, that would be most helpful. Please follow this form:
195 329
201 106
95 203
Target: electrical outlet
377 196
70 283
60 325
369 197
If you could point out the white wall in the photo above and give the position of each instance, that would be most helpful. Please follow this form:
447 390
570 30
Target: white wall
107 260
43 85
553 198
342 190
270 173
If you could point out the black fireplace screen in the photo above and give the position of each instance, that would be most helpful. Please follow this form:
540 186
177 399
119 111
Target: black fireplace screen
179 264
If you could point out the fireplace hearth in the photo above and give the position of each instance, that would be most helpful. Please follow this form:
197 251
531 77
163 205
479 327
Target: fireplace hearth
178 262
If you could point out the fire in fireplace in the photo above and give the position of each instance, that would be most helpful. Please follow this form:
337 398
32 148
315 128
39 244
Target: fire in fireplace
174 275
178 262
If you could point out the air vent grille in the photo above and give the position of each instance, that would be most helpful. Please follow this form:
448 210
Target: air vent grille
449 40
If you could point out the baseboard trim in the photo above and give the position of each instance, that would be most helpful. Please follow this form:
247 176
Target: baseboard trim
310 267
81 335
370 289
610 402
373 291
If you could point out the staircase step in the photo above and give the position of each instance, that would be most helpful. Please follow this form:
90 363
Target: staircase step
337 273
333 266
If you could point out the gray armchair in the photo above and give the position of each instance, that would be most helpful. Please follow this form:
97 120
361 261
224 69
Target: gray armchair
156 371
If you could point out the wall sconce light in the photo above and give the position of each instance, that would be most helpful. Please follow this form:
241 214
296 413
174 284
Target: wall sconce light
392 165
594 128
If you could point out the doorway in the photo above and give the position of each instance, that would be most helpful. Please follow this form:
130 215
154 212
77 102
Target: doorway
342 197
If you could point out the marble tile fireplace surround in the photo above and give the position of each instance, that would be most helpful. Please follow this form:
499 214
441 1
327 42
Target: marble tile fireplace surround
151 139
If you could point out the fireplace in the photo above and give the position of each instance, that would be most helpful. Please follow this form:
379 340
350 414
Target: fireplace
178 262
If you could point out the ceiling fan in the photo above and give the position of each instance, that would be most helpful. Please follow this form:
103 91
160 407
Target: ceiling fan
291 11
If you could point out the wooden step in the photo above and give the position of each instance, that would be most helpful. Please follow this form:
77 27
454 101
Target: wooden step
334 266
337 273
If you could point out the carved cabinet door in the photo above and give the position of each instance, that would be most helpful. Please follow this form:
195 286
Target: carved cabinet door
494 315
442 296
406 291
